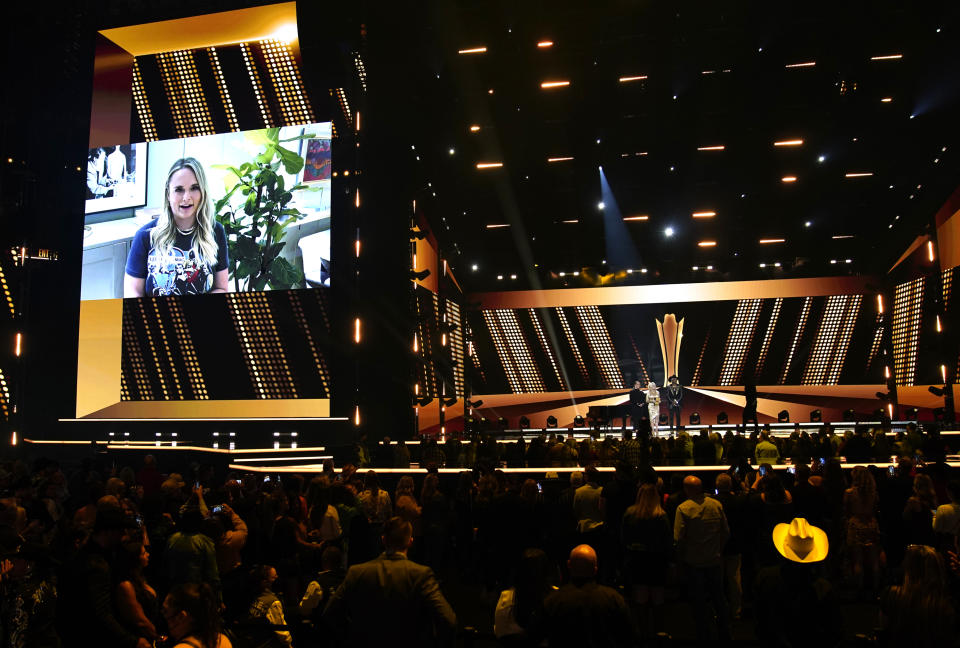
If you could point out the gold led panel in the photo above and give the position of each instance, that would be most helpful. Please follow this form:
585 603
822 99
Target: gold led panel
798 334
188 105
600 345
905 329
545 346
739 339
574 348
771 326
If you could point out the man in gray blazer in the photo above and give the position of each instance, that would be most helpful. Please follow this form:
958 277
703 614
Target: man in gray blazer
391 600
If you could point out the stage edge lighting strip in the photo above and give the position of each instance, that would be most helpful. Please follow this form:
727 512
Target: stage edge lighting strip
573 346
738 341
771 326
801 325
547 350
598 341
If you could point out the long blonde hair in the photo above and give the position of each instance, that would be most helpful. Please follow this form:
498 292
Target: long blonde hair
164 235
647 505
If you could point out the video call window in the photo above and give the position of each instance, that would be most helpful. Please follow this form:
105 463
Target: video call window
220 213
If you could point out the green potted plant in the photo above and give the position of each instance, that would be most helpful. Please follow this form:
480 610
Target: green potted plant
255 228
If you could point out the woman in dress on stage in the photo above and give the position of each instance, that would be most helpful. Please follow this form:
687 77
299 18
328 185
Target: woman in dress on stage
653 407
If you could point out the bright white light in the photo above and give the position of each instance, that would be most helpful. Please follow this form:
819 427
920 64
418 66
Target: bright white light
821 158
600 205
807 224
451 151
286 33
474 267
668 231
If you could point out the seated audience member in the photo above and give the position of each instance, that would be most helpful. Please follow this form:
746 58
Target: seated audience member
518 619
193 618
390 600
585 613
795 604
701 531
919 613
647 543
136 601
266 609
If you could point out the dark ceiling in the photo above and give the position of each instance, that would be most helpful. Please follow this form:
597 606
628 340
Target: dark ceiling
717 74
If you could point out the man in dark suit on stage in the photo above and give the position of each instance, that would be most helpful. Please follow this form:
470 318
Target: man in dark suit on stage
638 406
391 600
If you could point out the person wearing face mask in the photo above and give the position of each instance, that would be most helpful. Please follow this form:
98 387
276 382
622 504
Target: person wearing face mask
184 251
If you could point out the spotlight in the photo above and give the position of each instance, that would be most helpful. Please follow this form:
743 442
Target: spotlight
423 401
668 231
420 276
450 402
695 418
600 205
816 416
849 416
783 416
418 234
722 418
578 421
551 421
524 422
937 391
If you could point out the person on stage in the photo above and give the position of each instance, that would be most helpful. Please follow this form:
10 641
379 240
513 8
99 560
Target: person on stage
653 406
674 396
184 251
637 401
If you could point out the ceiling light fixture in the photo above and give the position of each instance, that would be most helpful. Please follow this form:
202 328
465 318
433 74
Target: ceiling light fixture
800 65
545 43
707 244
793 142
821 158
704 214
554 84
473 50
571 221
474 128
771 240
497 225
887 57
641 217
489 165
560 159
628 79
886 100
600 205
718 147
788 179
667 232
863 174
842 236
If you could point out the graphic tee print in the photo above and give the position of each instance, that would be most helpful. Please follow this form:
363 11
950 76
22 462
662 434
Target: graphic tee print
181 270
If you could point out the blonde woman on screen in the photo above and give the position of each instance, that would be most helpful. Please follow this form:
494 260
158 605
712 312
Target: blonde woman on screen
184 251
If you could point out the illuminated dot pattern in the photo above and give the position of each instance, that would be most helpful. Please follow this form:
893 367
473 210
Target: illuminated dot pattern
147 125
456 345
697 372
905 329
153 348
426 304
256 85
187 352
508 339
262 349
303 323
829 351
739 340
574 347
545 345
798 334
133 365
771 326
4 396
7 296
188 105
361 70
600 345
644 374
947 284
223 90
288 86
341 96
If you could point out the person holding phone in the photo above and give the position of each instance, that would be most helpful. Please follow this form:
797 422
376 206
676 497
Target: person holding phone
184 251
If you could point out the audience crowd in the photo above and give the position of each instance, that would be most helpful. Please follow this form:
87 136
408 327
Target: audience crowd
138 556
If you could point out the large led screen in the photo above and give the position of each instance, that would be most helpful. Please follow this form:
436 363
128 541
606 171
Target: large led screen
235 212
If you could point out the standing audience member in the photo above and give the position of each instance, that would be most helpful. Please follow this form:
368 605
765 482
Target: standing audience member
863 531
796 606
518 619
391 600
700 530
587 510
919 613
137 604
191 556
946 522
584 613
266 609
647 543
735 509
918 514
193 617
